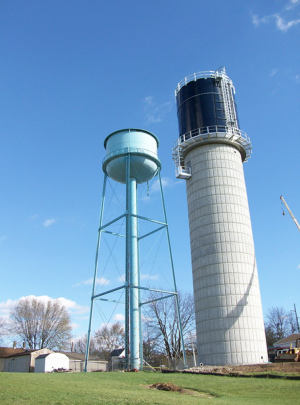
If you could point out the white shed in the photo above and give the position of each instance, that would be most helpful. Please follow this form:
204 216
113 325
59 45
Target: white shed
23 362
46 363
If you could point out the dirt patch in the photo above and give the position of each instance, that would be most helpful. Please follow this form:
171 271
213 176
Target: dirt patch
269 368
166 387
175 388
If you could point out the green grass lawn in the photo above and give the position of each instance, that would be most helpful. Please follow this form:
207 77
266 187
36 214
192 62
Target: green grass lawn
130 388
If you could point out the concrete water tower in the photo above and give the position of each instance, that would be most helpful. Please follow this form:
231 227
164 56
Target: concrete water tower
131 159
209 155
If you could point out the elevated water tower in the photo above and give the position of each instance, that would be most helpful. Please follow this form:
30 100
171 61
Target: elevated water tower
209 155
131 159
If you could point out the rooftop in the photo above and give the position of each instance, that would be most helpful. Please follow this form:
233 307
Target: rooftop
116 352
8 351
288 339
81 356
22 353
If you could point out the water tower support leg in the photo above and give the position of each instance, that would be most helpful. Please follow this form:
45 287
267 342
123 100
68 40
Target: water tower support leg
127 260
95 275
134 277
139 302
173 273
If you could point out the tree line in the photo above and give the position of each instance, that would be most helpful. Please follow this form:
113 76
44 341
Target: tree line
280 324
161 331
39 324
47 324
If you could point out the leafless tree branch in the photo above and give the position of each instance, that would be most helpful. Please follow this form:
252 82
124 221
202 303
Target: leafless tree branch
41 324
162 325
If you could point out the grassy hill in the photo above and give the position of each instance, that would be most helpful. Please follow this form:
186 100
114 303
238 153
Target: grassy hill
133 388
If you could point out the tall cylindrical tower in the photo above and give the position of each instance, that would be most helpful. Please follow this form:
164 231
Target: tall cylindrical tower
209 154
131 158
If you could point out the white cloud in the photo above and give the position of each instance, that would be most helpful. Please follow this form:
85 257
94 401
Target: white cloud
99 281
165 181
6 307
299 266
284 20
148 277
291 4
121 279
34 216
258 21
71 306
49 222
297 79
2 239
74 325
83 318
155 187
119 318
274 71
255 20
155 113
284 26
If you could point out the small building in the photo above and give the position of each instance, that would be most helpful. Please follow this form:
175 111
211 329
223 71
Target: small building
77 361
117 359
23 362
46 363
8 351
287 341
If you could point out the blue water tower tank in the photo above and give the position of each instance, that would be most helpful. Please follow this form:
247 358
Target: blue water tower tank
142 146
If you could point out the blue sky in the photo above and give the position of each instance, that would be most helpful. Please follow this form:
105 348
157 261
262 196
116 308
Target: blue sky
72 72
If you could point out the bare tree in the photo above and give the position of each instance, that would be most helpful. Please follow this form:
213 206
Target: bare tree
271 338
41 324
109 337
279 324
162 322
293 322
80 346
150 347
3 328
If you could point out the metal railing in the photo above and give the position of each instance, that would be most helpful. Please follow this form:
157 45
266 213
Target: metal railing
205 134
220 73
213 132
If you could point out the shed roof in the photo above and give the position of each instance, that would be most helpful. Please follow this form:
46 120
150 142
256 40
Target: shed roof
8 351
42 356
288 339
116 352
81 356
23 353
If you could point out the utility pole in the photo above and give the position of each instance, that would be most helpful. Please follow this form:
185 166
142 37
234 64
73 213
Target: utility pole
297 320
